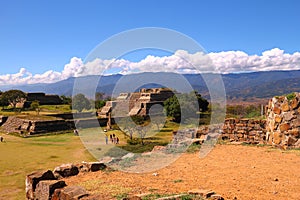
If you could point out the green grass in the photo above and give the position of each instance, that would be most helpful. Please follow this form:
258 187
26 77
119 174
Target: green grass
21 156
55 108
97 187
194 148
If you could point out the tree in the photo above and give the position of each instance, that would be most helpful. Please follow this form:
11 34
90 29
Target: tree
127 126
99 104
80 102
13 97
35 105
185 105
99 96
66 100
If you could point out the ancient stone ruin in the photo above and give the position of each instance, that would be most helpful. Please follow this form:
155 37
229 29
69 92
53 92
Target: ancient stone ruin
50 184
42 98
283 121
280 128
244 130
136 103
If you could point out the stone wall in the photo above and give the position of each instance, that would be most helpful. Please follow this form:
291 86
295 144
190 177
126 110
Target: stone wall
281 127
244 130
283 121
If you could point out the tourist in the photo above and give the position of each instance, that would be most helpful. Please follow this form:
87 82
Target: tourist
76 132
117 141
1 139
106 139
111 138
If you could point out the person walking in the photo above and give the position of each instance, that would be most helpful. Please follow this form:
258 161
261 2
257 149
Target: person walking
106 139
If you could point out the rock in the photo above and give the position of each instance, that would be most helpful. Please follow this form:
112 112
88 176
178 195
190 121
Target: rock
295 103
66 170
296 122
216 197
277 137
107 159
297 144
284 127
285 107
203 193
45 189
277 110
83 167
291 141
278 119
294 132
34 178
96 166
289 116
178 196
129 155
91 166
69 193
146 154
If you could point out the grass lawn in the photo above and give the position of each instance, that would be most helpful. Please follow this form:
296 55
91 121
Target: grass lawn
21 156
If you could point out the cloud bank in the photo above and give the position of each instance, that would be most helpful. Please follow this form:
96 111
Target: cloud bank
180 62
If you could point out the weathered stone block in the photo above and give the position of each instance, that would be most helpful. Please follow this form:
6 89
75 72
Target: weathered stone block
70 193
285 107
216 197
203 193
278 118
284 127
277 137
45 189
289 116
96 166
34 178
277 110
67 170
296 122
291 141
295 103
294 132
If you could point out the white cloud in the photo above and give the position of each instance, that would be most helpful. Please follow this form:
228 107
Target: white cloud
181 62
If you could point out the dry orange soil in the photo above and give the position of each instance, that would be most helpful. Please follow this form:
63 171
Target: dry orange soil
233 171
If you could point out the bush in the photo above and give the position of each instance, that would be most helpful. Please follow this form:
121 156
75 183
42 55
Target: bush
291 96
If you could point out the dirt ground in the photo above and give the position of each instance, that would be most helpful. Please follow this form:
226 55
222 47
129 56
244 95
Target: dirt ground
233 171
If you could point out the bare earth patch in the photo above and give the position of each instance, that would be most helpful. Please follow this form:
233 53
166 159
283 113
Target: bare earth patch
234 171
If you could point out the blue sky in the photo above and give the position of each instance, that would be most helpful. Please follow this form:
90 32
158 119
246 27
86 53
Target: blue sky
44 35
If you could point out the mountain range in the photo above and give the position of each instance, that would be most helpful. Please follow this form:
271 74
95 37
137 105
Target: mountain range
239 86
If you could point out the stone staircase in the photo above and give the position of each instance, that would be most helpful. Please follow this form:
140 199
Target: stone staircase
12 125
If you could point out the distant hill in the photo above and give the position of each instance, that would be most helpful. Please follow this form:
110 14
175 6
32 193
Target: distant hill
240 86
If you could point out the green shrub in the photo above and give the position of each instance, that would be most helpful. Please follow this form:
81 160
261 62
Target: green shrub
291 96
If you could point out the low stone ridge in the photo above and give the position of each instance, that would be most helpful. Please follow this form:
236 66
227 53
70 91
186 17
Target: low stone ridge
46 184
